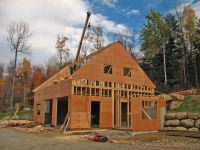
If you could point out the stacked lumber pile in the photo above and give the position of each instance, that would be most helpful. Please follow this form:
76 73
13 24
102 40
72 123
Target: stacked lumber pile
14 123
35 129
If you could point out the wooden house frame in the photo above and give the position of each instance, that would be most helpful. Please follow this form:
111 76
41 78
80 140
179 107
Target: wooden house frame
108 89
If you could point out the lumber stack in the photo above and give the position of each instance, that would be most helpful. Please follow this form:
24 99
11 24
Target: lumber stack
35 129
14 123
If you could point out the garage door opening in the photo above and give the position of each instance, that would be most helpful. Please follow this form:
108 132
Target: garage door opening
62 109
48 111
124 114
95 114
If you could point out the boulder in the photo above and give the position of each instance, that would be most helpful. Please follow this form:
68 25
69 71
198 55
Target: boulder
181 115
178 97
27 108
193 129
168 128
170 116
188 123
180 128
174 104
197 123
172 123
193 115
167 97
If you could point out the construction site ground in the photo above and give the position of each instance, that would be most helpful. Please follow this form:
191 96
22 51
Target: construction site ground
11 139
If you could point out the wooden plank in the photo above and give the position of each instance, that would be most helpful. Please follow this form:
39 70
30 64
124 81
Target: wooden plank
149 117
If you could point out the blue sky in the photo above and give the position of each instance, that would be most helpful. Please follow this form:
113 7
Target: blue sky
132 12
49 18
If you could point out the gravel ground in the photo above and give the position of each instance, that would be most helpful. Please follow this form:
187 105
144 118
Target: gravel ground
10 139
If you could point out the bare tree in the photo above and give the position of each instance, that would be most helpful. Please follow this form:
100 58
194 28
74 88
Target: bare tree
18 36
127 39
63 51
93 40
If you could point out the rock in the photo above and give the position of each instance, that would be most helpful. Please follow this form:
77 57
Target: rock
193 129
168 128
188 123
181 115
197 123
193 115
180 128
6 117
167 97
170 116
174 104
172 123
27 108
177 97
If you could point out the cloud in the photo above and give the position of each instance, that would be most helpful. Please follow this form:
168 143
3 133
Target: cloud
133 12
109 3
48 19
196 7
181 5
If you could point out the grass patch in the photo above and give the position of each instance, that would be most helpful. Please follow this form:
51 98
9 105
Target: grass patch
190 104
21 114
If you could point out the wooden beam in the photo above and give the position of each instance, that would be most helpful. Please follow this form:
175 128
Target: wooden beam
149 117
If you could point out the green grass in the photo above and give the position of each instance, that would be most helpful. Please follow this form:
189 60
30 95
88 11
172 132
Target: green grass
21 114
190 104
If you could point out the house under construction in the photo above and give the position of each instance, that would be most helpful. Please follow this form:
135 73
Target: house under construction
106 89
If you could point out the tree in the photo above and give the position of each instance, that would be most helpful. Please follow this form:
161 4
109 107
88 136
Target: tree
38 76
18 37
93 40
25 70
62 50
154 37
127 39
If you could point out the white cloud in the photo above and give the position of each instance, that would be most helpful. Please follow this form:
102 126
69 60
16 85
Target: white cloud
133 12
47 19
196 7
109 3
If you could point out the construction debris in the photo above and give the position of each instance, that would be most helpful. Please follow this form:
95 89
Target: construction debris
35 129
14 123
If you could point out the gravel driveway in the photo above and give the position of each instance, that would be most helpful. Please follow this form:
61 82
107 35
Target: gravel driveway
14 140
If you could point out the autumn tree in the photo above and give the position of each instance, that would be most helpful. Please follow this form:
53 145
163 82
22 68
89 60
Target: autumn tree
25 71
38 76
18 37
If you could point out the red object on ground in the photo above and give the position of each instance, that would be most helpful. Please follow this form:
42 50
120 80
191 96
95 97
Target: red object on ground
100 138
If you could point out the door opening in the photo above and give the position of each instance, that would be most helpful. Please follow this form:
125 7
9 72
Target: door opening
124 114
48 111
95 114
62 109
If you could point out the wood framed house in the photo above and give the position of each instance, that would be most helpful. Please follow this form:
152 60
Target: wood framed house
108 89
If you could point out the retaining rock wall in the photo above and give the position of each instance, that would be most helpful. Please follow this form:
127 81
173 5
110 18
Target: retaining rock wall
182 121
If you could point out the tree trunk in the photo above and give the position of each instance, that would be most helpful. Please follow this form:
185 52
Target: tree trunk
164 64
184 72
196 75
13 81
24 93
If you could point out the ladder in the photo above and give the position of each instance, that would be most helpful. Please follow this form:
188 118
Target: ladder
65 123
